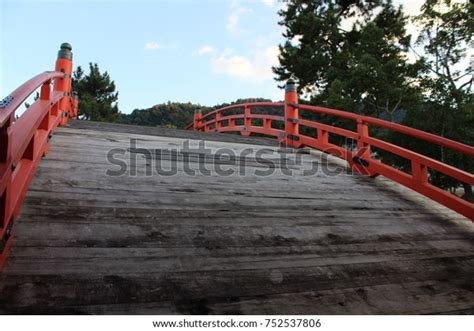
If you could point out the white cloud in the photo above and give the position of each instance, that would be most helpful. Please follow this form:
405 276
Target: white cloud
236 65
205 50
269 3
152 46
411 7
295 41
256 68
277 94
236 12
227 51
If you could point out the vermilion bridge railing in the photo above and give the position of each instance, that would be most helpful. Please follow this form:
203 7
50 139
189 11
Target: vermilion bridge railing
361 160
24 140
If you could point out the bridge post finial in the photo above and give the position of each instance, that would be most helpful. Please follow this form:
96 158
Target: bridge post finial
290 85
197 119
291 115
65 51
64 64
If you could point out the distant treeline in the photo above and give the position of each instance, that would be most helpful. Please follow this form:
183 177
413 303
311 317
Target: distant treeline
373 67
176 114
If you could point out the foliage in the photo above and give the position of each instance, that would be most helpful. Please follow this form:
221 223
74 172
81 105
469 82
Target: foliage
446 34
97 95
173 114
447 30
36 97
363 69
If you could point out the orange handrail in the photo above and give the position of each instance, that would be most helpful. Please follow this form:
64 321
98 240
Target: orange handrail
360 160
15 99
426 136
24 141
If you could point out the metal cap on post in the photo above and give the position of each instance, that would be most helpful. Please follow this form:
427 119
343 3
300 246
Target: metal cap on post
65 51
290 86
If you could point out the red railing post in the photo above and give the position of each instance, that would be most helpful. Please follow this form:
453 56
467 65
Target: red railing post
247 121
419 172
197 119
218 122
5 144
323 137
291 115
45 91
3 218
363 132
64 64
6 171
361 160
267 123
45 95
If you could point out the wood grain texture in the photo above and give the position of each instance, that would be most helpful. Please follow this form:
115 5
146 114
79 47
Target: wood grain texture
89 243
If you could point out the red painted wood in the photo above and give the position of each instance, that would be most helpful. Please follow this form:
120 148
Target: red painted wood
24 142
360 161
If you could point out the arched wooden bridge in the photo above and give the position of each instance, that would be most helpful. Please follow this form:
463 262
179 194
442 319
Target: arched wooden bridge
79 235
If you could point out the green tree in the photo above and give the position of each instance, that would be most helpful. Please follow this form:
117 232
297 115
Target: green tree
363 69
97 95
170 114
447 30
179 115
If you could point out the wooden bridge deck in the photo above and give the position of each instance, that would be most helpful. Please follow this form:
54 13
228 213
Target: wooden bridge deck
91 243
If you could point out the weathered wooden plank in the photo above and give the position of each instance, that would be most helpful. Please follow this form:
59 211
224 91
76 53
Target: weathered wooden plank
312 290
165 132
90 243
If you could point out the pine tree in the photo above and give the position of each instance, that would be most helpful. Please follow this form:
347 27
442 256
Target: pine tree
362 69
97 95
447 31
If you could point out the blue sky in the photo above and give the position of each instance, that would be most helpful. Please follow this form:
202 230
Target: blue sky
201 51
206 52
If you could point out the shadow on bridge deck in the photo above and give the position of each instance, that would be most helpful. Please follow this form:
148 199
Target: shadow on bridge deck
91 243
